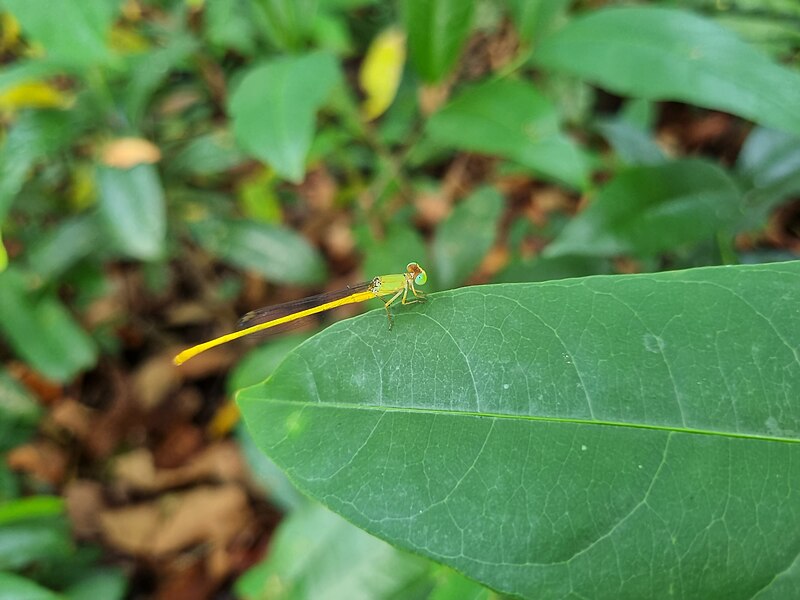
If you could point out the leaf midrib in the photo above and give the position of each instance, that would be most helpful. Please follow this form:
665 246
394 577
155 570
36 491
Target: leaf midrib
537 418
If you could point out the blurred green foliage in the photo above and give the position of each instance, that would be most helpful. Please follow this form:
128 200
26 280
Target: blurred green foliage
38 557
165 135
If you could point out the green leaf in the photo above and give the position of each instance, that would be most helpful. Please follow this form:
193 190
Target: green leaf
16 587
332 32
229 24
317 554
132 204
668 54
148 70
286 23
771 158
208 155
533 18
772 30
24 543
35 135
274 109
56 251
9 484
464 238
397 124
73 32
41 330
599 438
646 210
634 145
275 252
437 30
64 572
108 584
769 162
454 586
34 507
511 119
19 413
639 113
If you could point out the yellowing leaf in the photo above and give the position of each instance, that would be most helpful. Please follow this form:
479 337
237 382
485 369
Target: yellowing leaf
225 419
131 10
9 31
125 153
82 192
3 256
381 70
127 40
34 94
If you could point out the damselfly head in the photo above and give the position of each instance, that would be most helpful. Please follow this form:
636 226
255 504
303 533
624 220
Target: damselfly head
417 273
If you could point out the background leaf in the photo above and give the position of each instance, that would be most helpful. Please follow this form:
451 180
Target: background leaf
437 30
547 269
775 32
633 144
769 163
58 250
33 136
16 587
41 330
579 423
277 253
230 24
533 18
109 584
771 158
454 586
19 413
132 204
464 238
286 23
381 70
645 210
27 541
317 554
21 545
148 70
511 119
208 155
668 54
274 109
72 31
34 507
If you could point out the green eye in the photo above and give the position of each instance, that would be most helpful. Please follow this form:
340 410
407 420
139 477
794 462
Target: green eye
421 278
